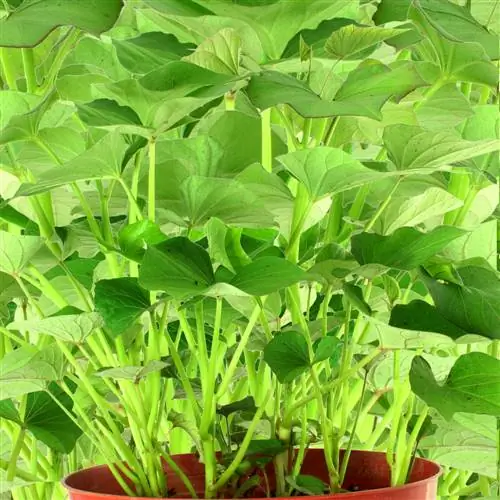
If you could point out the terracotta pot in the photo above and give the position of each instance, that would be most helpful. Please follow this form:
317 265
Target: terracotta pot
367 471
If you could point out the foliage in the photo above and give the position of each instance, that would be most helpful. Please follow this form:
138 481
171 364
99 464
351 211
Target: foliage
247 226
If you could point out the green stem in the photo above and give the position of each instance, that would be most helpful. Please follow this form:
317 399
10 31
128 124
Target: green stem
8 68
383 206
16 450
179 473
238 352
267 146
152 180
240 455
29 70
335 214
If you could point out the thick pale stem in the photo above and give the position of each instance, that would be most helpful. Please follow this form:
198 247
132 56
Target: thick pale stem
267 146
152 180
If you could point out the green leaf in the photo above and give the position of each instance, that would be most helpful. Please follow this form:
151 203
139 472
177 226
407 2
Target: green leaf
177 266
349 41
29 24
48 422
323 170
363 93
72 328
133 237
287 355
120 302
473 305
354 294
412 147
406 249
148 51
132 373
464 447
246 404
28 369
109 115
267 275
219 53
419 315
416 209
101 161
444 109
307 485
472 386
17 251
264 447
327 348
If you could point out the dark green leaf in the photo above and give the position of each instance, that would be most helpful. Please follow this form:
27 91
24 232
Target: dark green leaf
473 305
473 385
33 21
288 356
327 348
120 301
307 485
354 294
134 237
247 404
267 275
406 249
177 266
420 315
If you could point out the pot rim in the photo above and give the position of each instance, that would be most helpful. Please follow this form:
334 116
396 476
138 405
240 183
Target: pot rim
403 487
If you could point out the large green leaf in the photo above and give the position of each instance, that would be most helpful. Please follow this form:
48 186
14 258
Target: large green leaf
407 248
276 22
288 356
472 386
31 22
17 251
73 328
28 369
323 170
148 51
363 94
220 53
416 209
177 266
473 305
120 302
469 447
350 40
101 161
267 275
412 147
420 315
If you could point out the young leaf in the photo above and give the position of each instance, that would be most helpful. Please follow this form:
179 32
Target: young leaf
354 294
349 41
17 251
473 305
29 24
219 53
134 237
73 328
327 348
177 266
307 485
406 249
287 355
472 386
267 275
120 302
246 404
411 147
